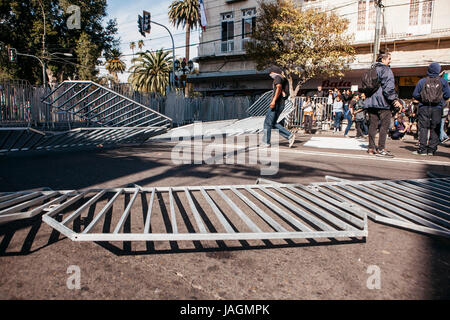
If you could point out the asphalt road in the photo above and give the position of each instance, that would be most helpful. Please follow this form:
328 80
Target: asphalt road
34 259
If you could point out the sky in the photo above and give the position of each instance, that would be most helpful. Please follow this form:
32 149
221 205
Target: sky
126 13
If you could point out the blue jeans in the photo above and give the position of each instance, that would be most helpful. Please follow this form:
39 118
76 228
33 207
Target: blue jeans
271 123
443 135
349 122
337 121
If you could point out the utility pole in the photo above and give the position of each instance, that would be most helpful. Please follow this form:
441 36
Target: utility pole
43 42
376 45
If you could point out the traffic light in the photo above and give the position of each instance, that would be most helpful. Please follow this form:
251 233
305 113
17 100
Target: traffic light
12 53
140 24
146 21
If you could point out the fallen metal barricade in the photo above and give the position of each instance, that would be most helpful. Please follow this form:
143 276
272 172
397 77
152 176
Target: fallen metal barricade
421 205
202 213
92 102
29 139
267 210
27 204
260 107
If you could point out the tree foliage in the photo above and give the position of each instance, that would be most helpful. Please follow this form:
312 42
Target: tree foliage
304 43
186 13
150 71
115 64
22 26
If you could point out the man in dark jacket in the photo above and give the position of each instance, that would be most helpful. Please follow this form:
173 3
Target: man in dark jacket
429 116
275 108
379 105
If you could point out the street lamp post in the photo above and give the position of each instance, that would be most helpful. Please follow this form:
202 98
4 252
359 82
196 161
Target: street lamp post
42 63
183 66
173 51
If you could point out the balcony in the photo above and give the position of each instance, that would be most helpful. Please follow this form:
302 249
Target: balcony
222 48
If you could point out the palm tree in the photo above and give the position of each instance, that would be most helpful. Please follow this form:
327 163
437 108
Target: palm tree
140 44
115 65
132 46
186 12
150 71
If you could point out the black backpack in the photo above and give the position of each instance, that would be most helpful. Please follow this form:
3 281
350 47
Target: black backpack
431 93
370 82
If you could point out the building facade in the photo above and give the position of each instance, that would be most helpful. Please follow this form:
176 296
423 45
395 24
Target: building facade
416 32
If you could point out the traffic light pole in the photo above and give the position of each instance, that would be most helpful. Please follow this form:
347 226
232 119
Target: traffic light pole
173 51
42 63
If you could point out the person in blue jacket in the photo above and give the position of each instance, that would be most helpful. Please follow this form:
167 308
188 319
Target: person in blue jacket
379 105
429 116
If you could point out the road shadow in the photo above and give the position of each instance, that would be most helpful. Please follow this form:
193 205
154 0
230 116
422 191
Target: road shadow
222 247
9 230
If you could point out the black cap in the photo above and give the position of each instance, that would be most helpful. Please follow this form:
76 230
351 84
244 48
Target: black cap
275 69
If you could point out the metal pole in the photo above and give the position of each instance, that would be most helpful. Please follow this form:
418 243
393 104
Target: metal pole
376 46
43 39
173 52
42 63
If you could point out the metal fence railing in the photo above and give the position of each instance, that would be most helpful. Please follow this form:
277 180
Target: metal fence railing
323 113
21 104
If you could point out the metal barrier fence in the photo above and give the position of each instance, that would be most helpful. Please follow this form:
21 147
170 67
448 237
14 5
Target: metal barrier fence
323 113
21 105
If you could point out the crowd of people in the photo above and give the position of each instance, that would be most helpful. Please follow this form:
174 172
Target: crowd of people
425 116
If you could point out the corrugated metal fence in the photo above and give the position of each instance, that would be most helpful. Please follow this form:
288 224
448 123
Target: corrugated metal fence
21 105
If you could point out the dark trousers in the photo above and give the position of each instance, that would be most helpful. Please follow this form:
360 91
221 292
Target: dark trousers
360 128
395 134
429 121
377 117
308 123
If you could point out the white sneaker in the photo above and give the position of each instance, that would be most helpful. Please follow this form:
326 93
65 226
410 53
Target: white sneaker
263 144
291 140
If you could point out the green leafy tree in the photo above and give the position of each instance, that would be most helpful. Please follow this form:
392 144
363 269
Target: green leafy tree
304 43
186 13
132 47
22 27
150 71
140 44
87 53
115 64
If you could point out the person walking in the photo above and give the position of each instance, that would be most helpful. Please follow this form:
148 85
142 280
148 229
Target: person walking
379 104
348 112
431 92
338 109
276 107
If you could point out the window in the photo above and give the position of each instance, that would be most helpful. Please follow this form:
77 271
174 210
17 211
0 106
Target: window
414 13
227 32
248 24
361 15
427 10
367 15
420 13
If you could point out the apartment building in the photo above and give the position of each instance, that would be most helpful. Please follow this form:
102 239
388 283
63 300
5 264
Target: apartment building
416 32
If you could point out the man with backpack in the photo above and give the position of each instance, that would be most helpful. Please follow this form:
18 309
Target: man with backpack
431 92
378 85
280 89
